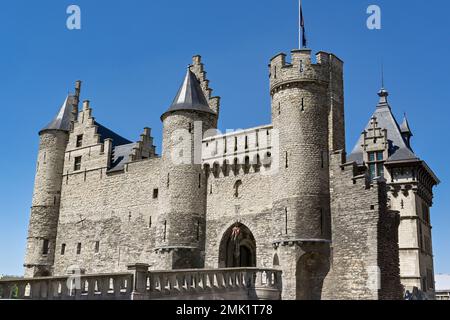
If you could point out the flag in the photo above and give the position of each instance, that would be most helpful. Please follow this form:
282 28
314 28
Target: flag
302 28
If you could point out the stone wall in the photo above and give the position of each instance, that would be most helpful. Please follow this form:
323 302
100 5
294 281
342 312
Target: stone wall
364 257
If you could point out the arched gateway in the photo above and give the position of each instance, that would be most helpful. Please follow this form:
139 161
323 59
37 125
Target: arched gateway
237 247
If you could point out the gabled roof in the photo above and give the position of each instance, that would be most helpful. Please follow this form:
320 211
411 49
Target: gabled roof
190 96
398 148
63 119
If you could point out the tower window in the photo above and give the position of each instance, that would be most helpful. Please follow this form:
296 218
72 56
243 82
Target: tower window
235 143
45 246
79 141
155 193
285 220
165 230
376 165
63 249
287 160
246 142
77 164
97 246
79 248
150 222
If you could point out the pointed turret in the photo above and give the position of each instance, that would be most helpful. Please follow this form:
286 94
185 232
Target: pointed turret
399 148
406 131
63 119
190 96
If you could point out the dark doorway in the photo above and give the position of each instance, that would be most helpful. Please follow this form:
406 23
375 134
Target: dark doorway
237 248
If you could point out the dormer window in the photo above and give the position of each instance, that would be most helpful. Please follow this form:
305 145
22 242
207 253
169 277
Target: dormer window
376 165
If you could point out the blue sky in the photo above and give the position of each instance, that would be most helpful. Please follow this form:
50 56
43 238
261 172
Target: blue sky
132 56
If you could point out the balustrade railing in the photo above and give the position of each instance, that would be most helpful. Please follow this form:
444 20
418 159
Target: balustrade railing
139 283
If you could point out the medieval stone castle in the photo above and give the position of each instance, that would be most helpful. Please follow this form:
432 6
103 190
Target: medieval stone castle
284 196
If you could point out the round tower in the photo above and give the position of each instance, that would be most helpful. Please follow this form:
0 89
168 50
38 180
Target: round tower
180 235
301 111
40 253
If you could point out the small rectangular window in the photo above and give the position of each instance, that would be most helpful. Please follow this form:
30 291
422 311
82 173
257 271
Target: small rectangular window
97 246
45 246
155 193
79 248
77 164
79 141
63 249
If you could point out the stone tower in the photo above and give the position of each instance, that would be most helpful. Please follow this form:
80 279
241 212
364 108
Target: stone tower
180 235
43 223
307 115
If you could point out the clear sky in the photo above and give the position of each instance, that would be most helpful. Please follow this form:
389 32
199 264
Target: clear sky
132 56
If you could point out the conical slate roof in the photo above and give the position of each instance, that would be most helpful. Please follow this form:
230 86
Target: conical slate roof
63 118
190 96
398 148
405 126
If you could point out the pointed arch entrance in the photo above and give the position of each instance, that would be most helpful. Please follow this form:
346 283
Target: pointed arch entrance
237 248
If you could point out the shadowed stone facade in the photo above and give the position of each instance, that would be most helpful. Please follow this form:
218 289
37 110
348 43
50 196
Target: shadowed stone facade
280 196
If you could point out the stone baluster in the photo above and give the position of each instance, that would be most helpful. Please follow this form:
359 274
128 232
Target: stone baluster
140 273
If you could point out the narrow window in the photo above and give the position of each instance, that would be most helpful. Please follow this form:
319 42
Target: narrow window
77 164
79 141
225 145
79 248
246 142
190 127
237 185
286 157
303 105
45 246
97 246
279 108
301 66
275 72
402 204
285 221
165 229
168 180
322 160
257 138
150 222
155 193
199 180
63 249
210 190
198 230
235 143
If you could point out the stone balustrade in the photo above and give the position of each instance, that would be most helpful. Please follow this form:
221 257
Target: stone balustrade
141 284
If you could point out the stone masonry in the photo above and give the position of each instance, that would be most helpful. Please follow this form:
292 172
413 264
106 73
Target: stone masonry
282 195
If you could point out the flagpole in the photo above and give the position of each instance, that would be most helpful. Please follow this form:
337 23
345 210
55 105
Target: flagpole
299 24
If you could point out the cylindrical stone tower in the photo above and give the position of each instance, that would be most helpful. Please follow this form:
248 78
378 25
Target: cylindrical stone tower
301 107
180 235
40 253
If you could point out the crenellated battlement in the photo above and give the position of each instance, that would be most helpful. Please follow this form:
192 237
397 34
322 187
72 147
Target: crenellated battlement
301 68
